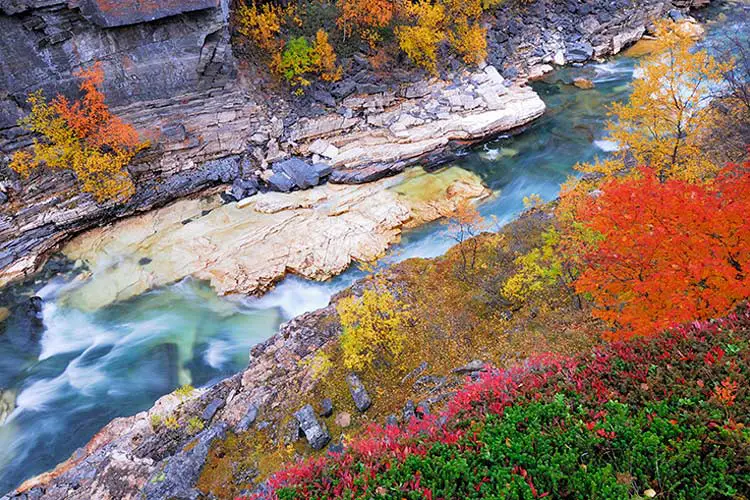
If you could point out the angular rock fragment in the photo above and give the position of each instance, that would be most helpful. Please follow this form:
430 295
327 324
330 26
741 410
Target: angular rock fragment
359 394
315 432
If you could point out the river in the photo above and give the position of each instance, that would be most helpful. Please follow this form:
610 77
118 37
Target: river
89 368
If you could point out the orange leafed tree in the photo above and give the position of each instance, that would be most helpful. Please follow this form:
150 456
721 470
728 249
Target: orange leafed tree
82 136
364 15
668 252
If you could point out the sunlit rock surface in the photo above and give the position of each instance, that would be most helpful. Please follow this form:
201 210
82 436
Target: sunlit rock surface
246 247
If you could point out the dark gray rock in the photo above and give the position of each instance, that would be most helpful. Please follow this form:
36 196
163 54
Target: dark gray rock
359 394
300 172
248 419
3 197
176 477
315 432
408 411
579 52
149 50
211 409
391 421
242 188
676 15
324 97
280 182
344 88
472 366
110 14
326 407
322 170
336 448
422 409
25 325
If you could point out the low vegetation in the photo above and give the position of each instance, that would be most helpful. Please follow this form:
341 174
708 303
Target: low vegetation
666 416
301 41
82 136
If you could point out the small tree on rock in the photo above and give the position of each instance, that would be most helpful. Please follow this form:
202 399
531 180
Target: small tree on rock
82 136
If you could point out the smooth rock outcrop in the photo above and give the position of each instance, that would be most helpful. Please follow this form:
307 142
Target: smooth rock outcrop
315 233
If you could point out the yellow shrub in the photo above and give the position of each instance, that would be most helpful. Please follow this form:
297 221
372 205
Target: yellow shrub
537 270
420 42
262 25
325 58
470 42
373 328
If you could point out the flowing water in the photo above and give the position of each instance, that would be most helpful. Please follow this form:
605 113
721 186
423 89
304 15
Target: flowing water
89 368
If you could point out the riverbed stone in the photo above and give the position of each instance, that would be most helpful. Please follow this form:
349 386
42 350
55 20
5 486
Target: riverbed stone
315 432
359 394
579 52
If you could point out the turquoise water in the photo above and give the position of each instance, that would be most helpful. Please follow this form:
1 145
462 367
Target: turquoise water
90 368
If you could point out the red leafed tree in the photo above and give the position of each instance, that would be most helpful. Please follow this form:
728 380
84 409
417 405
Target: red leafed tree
667 252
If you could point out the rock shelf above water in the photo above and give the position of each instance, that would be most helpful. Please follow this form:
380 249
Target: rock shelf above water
316 234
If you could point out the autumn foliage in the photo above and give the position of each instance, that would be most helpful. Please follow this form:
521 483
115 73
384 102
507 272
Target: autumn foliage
373 328
365 15
667 114
666 416
82 136
282 35
667 252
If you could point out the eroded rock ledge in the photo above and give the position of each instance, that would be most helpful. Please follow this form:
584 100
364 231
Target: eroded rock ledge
248 246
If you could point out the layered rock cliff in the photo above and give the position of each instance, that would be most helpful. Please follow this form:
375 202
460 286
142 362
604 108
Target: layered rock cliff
170 71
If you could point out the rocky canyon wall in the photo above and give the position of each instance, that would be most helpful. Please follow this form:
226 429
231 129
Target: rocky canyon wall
170 71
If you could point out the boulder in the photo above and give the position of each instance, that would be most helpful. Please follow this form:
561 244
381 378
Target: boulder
25 324
315 432
579 52
343 419
280 182
242 188
359 394
300 172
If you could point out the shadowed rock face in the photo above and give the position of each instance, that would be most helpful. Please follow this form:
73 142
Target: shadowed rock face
145 51
109 13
